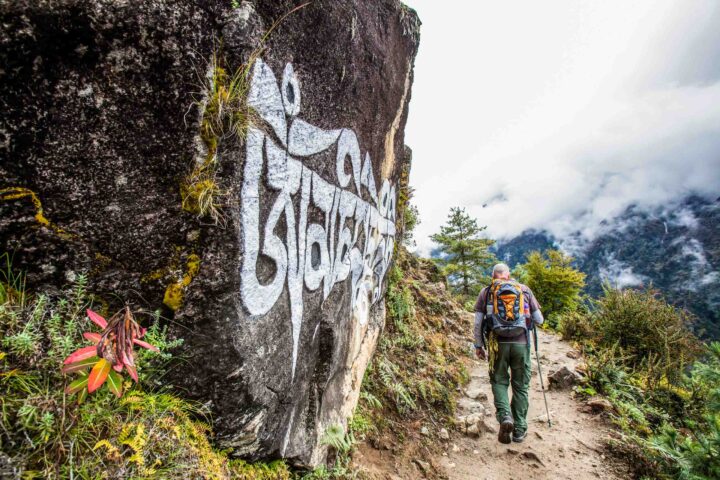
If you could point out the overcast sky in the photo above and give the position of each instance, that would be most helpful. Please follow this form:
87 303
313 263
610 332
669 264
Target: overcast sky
558 114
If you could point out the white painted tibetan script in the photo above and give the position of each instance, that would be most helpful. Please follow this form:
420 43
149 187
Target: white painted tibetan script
357 235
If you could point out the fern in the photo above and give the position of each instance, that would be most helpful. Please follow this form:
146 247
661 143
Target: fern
403 397
133 436
371 400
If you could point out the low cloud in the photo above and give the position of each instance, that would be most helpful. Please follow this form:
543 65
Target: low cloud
619 275
579 111
648 151
696 263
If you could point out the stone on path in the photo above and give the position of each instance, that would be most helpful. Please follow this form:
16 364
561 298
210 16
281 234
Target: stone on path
528 455
599 404
563 378
477 394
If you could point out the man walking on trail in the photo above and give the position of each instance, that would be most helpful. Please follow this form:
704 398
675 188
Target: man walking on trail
505 313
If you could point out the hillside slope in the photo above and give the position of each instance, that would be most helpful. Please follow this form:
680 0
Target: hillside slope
675 249
410 390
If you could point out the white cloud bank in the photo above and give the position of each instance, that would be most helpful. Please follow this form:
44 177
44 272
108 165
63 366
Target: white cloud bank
559 115
620 275
648 150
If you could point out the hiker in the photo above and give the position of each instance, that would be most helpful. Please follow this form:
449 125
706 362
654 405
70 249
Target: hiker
505 313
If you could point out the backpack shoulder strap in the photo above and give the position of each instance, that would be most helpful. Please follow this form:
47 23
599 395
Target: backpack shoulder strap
491 298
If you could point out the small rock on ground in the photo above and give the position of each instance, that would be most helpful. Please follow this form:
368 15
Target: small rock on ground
599 404
563 378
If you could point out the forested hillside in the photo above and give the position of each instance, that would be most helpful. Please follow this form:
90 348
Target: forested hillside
676 250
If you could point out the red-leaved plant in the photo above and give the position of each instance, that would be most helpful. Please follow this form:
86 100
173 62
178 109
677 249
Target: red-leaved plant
112 351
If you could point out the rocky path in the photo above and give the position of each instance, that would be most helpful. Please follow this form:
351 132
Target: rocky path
571 449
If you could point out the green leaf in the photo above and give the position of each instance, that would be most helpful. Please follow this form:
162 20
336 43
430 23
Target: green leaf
82 396
114 382
79 366
77 385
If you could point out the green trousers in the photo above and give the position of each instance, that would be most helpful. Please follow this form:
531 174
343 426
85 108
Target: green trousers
511 366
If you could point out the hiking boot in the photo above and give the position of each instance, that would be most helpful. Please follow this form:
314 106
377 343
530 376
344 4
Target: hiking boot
519 435
506 428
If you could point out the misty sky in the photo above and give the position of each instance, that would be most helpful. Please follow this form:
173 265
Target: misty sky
561 113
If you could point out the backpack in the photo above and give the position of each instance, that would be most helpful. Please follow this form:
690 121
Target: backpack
506 308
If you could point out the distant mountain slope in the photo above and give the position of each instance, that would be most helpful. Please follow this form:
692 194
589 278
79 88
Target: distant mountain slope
676 250
513 251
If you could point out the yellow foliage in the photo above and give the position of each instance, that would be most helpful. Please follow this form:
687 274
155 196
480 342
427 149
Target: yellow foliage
200 194
163 441
136 442
112 452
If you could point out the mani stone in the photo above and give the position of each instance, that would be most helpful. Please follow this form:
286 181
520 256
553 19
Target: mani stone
110 147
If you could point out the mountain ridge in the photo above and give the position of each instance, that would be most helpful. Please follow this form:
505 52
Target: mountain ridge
647 248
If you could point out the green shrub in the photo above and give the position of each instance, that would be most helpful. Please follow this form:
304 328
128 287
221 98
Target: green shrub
639 350
650 333
575 325
553 280
685 446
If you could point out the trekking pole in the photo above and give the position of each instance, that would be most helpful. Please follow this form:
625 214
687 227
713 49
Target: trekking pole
542 384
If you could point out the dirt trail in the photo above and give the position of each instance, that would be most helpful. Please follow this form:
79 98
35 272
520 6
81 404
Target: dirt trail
571 449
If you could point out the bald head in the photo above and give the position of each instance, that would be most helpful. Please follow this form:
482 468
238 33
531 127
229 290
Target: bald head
501 271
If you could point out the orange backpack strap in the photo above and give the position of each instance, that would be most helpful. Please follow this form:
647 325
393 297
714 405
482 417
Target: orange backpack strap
522 298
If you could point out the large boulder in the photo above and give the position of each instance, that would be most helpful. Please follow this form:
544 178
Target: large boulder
258 209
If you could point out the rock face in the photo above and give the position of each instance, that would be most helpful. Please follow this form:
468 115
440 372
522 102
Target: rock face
258 209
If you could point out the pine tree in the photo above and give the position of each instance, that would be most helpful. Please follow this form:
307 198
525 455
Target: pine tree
465 258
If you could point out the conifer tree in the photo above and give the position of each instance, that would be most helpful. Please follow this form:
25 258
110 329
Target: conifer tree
465 258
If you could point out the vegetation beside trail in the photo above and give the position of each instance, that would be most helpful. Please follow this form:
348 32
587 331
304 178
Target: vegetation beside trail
409 391
45 433
662 382
149 432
